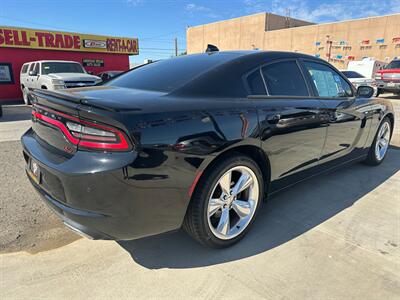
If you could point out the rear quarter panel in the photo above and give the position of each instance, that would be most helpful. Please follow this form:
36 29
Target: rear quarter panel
179 140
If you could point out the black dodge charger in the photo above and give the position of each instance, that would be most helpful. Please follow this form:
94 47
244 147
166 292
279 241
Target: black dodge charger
197 142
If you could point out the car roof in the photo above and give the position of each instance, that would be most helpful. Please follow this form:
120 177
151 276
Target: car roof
225 79
44 61
255 54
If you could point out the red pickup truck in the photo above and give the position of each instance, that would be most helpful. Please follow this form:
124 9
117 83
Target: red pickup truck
388 79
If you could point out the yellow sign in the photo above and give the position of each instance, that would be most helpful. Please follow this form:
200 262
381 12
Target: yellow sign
66 41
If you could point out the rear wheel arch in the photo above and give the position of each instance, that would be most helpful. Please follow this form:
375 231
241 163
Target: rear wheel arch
390 116
252 151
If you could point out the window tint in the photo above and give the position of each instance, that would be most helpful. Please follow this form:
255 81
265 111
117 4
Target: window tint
169 74
395 64
256 83
327 81
36 68
61 67
24 69
352 74
31 68
285 79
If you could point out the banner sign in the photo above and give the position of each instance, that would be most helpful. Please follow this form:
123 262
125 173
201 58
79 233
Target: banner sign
66 41
86 62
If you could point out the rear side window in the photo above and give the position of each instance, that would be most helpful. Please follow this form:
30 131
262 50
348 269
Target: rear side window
24 69
327 81
256 83
285 79
170 74
36 68
31 67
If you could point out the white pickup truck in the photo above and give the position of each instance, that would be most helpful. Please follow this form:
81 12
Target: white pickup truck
54 75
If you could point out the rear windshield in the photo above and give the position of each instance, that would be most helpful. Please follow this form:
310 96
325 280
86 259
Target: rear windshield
393 65
352 74
170 74
61 67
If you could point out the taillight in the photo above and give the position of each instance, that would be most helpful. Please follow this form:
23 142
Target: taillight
83 133
378 76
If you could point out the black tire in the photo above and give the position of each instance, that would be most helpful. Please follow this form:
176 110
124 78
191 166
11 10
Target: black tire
372 158
378 92
25 96
196 220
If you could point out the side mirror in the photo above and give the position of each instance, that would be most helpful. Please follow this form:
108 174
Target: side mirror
32 73
365 91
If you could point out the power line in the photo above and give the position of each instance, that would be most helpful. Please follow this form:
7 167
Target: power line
35 23
163 49
164 34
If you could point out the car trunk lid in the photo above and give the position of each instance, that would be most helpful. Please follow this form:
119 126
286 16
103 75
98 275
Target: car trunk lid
69 121
48 109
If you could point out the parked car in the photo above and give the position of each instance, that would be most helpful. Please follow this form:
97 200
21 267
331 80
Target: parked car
359 80
366 67
107 75
53 75
197 141
388 79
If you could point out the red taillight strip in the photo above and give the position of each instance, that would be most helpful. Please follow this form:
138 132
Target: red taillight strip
58 124
122 145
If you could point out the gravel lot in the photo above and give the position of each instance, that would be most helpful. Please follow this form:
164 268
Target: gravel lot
336 236
26 221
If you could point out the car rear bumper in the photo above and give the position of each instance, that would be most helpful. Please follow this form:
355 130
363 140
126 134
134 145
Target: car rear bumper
103 195
73 218
387 86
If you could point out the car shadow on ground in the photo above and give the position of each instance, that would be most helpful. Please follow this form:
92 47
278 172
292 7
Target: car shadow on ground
285 216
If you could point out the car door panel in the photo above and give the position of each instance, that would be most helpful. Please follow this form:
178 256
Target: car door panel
348 128
292 124
293 141
347 122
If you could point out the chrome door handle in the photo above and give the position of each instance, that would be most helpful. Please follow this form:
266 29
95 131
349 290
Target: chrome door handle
274 119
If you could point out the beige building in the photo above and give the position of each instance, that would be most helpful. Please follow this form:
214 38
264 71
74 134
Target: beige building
338 42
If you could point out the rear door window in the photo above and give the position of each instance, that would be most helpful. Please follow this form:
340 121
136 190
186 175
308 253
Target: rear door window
256 83
284 79
328 82
31 67
36 69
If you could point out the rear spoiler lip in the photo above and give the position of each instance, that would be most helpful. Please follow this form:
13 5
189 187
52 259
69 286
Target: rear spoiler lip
77 100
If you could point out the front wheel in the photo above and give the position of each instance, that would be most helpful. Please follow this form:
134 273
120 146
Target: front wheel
379 147
25 95
225 202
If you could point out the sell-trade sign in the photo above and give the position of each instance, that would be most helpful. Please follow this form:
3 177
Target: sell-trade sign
66 41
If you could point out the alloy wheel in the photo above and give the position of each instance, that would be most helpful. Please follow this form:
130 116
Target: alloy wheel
382 141
233 202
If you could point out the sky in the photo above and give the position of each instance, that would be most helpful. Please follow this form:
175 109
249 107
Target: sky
157 22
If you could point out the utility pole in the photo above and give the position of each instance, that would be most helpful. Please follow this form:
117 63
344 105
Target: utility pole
176 46
329 43
288 18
